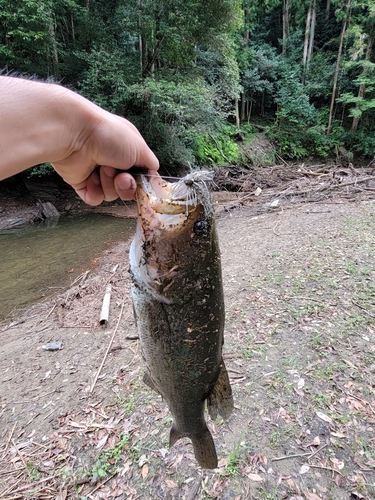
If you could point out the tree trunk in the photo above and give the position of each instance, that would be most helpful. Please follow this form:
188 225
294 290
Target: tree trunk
362 87
243 107
237 113
337 70
312 33
328 8
286 16
73 31
250 109
55 55
309 38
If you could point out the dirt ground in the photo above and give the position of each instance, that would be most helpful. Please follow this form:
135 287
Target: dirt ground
299 274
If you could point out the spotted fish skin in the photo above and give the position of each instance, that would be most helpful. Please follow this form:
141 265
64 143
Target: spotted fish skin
179 306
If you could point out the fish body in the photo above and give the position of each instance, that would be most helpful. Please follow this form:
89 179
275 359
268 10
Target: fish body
179 306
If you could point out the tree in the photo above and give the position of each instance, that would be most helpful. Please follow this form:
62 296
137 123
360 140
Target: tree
345 22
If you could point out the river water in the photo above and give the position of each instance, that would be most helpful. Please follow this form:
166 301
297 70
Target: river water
38 261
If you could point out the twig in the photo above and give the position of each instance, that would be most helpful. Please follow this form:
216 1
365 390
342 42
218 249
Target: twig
102 484
318 450
310 455
282 159
325 468
51 311
363 309
21 457
276 459
12 486
108 348
351 183
10 437
11 325
274 228
23 488
35 398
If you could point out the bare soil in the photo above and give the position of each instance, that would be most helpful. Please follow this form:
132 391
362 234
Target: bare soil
299 273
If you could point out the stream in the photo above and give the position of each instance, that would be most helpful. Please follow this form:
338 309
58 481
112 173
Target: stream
37 261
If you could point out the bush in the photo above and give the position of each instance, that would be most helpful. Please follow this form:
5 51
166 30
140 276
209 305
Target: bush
219 150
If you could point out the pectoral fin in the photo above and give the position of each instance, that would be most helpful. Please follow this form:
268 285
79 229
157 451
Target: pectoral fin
148 381
220 399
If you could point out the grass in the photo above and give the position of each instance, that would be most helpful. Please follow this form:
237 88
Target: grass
235 459
108 459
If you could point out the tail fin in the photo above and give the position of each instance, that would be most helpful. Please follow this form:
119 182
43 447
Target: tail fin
203 444
220 400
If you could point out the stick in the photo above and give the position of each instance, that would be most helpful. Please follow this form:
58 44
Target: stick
276 459
105 307
21 457
108 348
363 309
102 484
10 437
325 468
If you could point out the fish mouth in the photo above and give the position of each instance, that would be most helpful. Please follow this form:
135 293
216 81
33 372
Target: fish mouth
171 204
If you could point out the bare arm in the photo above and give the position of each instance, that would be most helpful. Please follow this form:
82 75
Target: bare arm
42 122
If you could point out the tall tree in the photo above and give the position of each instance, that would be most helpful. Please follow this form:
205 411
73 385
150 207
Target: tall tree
338 63
309 36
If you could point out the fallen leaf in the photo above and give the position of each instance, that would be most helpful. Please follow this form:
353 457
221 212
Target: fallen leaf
338 464
223 462
170 483
311 496
301 383
102 441
305 468
338 434
255 477
356 494
144 471
324 417
142 460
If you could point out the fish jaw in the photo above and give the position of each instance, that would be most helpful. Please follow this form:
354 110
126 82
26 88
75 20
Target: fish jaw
165 240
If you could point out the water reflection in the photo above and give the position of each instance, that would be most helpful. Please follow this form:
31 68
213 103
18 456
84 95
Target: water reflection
34 259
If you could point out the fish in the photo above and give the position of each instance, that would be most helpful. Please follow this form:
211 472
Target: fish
178 305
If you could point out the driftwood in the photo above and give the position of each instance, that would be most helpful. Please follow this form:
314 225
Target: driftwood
47 210
44 211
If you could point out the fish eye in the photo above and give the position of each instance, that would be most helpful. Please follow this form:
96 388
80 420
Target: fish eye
201 228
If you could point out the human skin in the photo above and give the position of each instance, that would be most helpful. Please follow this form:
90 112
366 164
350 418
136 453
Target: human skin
89 147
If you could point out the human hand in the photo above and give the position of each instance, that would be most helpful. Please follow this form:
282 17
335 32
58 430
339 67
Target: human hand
88 146
115 145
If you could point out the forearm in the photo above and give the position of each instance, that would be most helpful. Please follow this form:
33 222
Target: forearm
35 125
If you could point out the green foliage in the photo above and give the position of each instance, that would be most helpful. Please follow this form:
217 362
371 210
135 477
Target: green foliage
108 459
173 113
178 68
219 150
105 79
299 143
40 170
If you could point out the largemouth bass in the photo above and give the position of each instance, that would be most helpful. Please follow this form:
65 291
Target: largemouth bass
179 305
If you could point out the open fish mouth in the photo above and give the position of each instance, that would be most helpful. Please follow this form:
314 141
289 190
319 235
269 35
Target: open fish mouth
180 197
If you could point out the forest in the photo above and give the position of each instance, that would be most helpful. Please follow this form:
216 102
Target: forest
201 78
